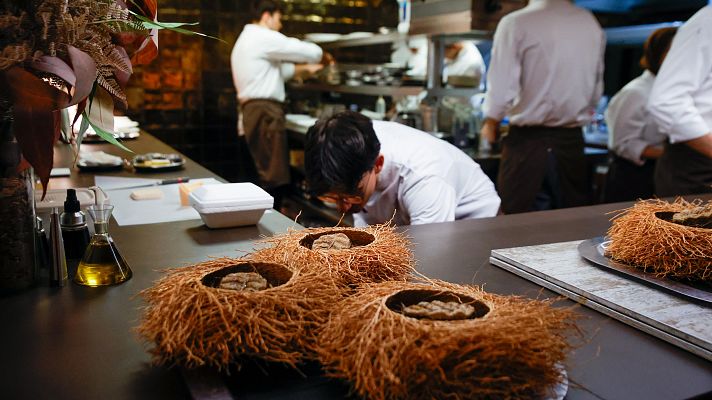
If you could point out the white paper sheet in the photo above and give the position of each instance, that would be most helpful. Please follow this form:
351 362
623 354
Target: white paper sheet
113 182
139 212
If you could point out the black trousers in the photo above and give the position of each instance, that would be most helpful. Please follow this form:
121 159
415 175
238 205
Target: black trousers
628 181
682 170
542 163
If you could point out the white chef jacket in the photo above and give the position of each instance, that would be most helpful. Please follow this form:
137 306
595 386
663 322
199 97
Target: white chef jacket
468 62
630 127
425 180
681 99
547 66
262 60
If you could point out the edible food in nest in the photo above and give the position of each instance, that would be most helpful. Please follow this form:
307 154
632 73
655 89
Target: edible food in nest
439 310
377 253
664 239
508 348
191 322
244 281
334 241
700 217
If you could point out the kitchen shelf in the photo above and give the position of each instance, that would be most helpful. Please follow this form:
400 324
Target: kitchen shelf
455 92
371 90
395 36
363 41
470 35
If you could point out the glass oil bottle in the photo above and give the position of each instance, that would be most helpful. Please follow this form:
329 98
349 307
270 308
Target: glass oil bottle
102 263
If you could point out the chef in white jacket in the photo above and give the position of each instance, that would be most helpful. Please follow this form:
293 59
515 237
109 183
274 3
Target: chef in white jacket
382 170
681 104
633 136
261 61
463 59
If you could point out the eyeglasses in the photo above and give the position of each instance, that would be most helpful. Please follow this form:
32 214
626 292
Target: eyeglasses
347 198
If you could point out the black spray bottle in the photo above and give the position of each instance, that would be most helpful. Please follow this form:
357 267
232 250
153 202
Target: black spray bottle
74 230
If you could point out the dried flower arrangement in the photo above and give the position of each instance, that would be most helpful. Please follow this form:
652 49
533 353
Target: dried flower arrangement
652 235
59 53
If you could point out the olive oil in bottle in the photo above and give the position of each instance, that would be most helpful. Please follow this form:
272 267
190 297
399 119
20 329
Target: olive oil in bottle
102 263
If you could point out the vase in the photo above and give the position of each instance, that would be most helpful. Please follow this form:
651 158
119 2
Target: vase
17 216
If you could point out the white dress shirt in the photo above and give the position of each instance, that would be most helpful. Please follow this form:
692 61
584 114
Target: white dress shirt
263 59
681 99
425 180
468 62
630 127
547 66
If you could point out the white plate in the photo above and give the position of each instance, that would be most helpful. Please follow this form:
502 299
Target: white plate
83 164
322 37
560 390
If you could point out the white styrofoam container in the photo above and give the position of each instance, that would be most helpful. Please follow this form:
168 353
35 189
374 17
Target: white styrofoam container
230 204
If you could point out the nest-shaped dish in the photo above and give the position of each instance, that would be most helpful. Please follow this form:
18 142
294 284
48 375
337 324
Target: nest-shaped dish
191 322
643 236
509 348
378 254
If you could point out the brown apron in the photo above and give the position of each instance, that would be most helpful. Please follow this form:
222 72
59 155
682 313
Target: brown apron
538 161
264 124
682 170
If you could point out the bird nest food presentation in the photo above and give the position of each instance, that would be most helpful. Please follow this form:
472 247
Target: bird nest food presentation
670 240
222 312
347 255
426 340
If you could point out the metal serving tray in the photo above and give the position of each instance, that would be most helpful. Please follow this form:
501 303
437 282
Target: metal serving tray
594 250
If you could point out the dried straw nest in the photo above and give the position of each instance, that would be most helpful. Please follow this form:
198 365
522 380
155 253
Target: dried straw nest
378 253
509 347
192 323
645 236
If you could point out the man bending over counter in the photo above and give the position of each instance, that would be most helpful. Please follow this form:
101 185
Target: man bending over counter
381 170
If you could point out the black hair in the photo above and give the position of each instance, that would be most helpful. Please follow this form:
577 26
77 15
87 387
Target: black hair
259 7
656 47
338 151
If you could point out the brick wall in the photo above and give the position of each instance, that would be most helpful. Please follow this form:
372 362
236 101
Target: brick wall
186 97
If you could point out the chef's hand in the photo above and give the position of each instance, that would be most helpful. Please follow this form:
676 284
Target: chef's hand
302 71
327 59
490 130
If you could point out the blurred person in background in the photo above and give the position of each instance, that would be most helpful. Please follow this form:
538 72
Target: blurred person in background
633 137
681 105
463 59
546 74
382 170
262 60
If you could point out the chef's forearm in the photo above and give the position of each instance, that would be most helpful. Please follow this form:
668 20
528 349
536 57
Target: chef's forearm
702 144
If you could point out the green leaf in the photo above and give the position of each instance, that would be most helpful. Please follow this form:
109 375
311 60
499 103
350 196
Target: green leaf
171 26
106 135
101 109
66 125
165 25
82 128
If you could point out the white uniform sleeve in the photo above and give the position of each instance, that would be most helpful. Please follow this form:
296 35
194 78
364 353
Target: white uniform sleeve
429 199
685 68
504 71
598 90
287 70
626 119
278 47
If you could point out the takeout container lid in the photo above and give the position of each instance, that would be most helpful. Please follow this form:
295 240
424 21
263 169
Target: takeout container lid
230 204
